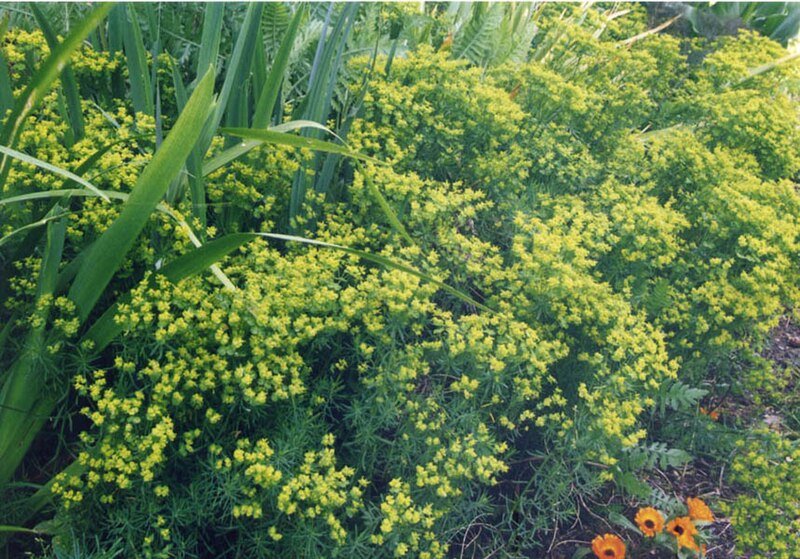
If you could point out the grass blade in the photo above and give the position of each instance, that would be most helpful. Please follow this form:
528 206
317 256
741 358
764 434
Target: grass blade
293 140
246 37
322 81
282 138
110 249
52 168
105 329
5 528
41 82
268 96
68 83
382 261
6 95
243 147
39 223
138 73
209 41
20 392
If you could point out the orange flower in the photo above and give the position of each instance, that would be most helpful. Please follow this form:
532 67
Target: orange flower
698 510
650 521
713 414
683 529
608 546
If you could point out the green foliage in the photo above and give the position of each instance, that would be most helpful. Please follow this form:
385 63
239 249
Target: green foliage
766 517
521 278
780 21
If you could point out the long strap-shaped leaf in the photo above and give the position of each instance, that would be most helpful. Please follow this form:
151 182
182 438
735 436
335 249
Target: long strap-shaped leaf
222 159
105 329
138 72
6 95
293 140
26 378
316 104
110 249
24 157
68 82
266 99
41 82
209 41
382 261
268 96
239 62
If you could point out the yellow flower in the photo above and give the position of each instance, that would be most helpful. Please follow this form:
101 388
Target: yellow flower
698 510
608 546
650 521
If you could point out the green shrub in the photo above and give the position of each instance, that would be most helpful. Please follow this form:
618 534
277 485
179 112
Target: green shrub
329 407
767 516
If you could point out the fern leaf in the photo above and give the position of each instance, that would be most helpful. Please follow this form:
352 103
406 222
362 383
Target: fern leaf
477 39
274 24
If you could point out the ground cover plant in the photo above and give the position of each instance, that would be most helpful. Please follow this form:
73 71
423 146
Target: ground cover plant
382 280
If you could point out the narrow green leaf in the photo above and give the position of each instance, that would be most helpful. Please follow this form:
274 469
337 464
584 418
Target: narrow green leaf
116 26
258 71
236 63
239 61
52 168
241 148
280 138
382 261
176 186
46 194
292 140
266 101
209 41
44 495
138 72
6 95
20 395
180 89
54 247
105 329
581 552
387 209
623 522
38 223
316 104
68 83
5 528
41 82
25 426
111 248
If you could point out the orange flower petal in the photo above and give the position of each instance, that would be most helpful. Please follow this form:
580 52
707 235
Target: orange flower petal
650 521
608 546
698 510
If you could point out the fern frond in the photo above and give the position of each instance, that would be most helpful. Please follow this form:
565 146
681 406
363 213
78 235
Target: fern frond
274 24
476 40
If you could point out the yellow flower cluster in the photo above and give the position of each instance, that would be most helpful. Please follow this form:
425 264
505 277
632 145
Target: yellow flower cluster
609 262
407 527
319 490
766 517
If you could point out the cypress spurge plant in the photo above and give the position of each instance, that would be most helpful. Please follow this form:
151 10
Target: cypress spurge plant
24 402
